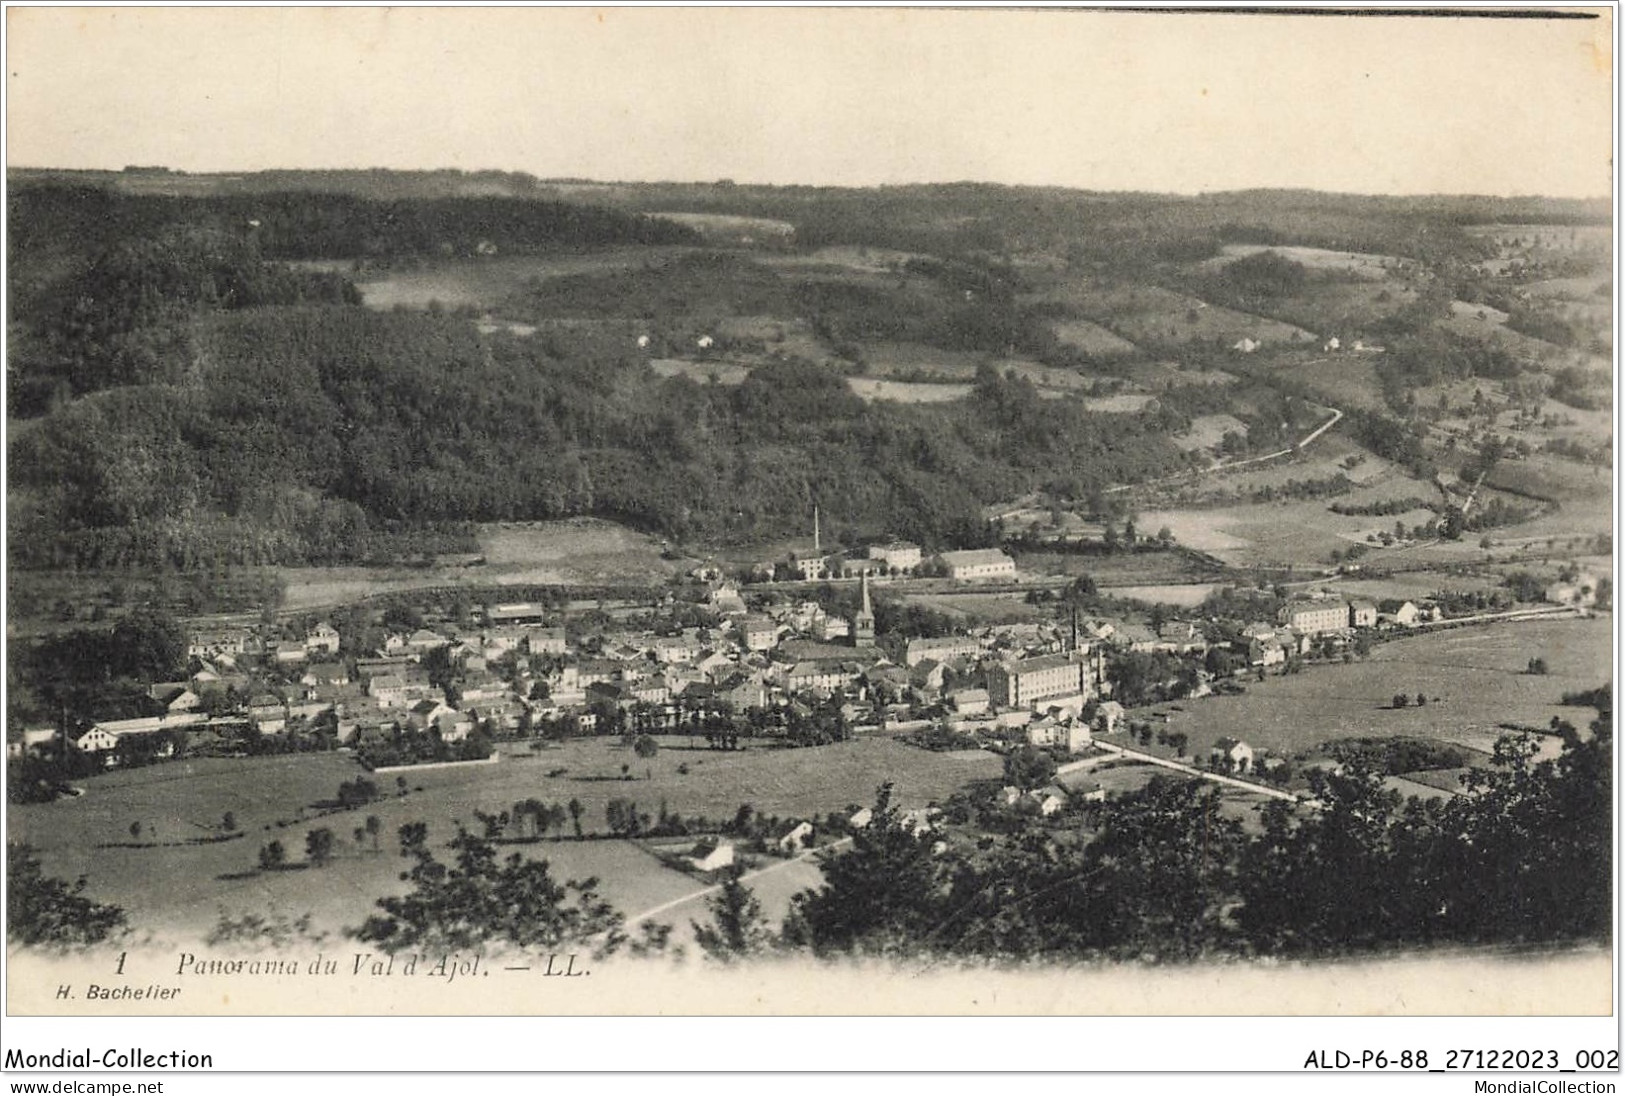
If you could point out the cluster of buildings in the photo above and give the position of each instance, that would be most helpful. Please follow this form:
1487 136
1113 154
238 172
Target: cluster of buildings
519 670
892 558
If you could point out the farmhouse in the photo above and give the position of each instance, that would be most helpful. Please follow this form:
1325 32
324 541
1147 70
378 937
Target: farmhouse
1581 591
95 740
1231 755
799 837
175 696
712 859
980 563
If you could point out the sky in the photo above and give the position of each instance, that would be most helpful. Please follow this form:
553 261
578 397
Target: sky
1103 100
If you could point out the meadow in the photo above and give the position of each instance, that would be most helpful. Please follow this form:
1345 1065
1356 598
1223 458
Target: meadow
573 551
186 888
1474 678
487 283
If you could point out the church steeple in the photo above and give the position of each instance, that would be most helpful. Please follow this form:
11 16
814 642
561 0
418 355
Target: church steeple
863 626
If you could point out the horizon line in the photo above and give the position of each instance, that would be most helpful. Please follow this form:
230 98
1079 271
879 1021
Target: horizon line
727 181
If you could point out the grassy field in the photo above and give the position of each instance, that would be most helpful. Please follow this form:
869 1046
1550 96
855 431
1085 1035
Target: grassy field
1150 316
1184 596
186 888
486 283
1207 431
732 228
700 372
1093 339
1476 674
1137 569
576 551
980 608
872 389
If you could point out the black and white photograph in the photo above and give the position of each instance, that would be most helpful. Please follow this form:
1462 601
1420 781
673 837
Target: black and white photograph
811 511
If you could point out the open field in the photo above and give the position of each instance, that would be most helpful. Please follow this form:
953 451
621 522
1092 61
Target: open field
1160 376
486 283
1411 585
1481 313
1122 403
1346 309
709 372
1348 381
1120 570
871 389
181 889
731 228
1476 674
893 360
865 260
1292 531
1318 258
577 551
1093 339
1592 288
983 608
1514 237
1207 431
1183 595
1149 316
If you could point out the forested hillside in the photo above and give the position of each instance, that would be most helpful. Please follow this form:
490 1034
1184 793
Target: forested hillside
297 433
193 382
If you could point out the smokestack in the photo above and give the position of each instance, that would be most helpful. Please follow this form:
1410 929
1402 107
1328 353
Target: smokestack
816 547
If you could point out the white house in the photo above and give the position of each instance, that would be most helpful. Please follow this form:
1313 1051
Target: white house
799 837
718 858
1233 754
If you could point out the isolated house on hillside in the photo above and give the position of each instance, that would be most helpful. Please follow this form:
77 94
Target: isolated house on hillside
1232 755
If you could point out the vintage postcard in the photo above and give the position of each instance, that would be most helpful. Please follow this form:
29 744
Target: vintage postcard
756 511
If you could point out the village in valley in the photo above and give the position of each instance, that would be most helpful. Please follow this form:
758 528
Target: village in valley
960 572
431 705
